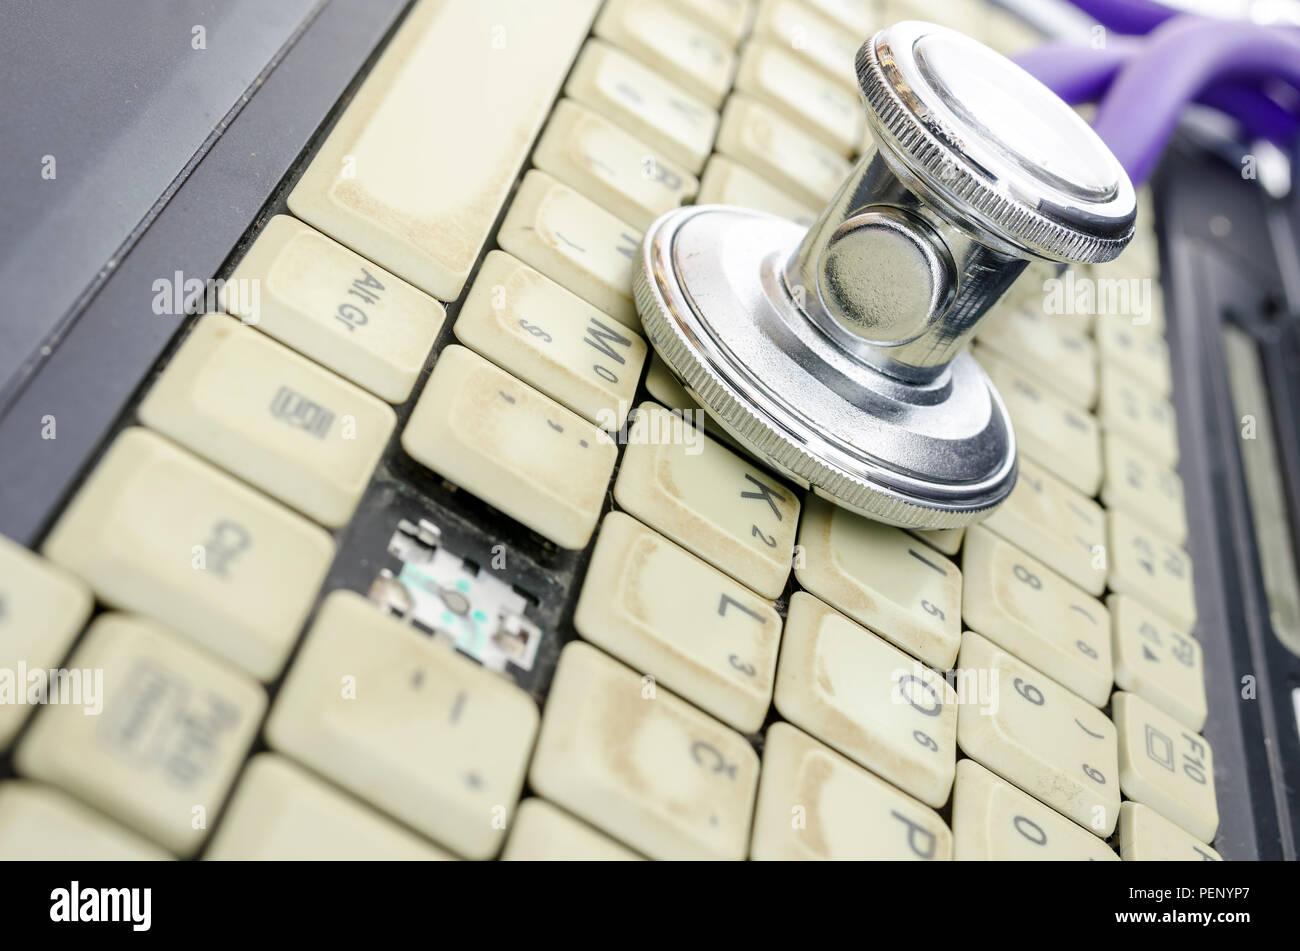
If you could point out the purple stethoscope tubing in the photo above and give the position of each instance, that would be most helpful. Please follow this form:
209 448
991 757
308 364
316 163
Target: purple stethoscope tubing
1143 84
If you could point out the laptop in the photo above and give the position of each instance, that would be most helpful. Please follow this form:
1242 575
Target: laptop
346 511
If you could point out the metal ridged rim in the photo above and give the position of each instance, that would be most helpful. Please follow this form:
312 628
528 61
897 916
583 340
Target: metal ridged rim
929 157
767 440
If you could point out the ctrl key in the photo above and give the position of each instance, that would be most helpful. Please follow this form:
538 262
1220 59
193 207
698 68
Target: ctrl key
641 764
157 737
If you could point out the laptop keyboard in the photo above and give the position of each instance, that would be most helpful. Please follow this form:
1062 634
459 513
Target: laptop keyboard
744 670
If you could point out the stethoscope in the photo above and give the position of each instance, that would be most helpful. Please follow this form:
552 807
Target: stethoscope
1163 60
837 354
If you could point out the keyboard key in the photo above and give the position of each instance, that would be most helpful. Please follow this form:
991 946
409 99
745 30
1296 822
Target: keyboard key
157 531
709 500
644 766
406 724
813 804
1033 732
820 106
1056 524
271 417
1049 429
1165 766
575 243
1138 351
819 43
766 143
664 387
655 110
727 182
174 729
334 306
1062 360
390 184
1143 488
868 700
1157 662
624 176
1155 572
994 821
713 642
882 578
543 833
514 448
858 17
1021 605
946 540
729 19
279 812
42 609
671 44
41 824
553 340
1147 836
1140 415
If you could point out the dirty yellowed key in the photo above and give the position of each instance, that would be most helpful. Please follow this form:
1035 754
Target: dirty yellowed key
819 43
1018 602
709 500
552 339
714 641
1057 524
1148 567
1156 661
992 820
158 531
641 764
545 833
726 182
867 699
336 307
271 417
820 106
883 578
753 134
1049 429
574 242
670 43
40 824
729 19
388 182
516 449
653 108
280 812
406 724
42 609
1165 766
1033 732
612 167
172 729
813 804
1147 836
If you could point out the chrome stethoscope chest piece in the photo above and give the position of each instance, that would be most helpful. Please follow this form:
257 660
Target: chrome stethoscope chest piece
837 354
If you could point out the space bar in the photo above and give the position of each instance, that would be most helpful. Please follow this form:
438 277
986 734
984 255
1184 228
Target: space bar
419 164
